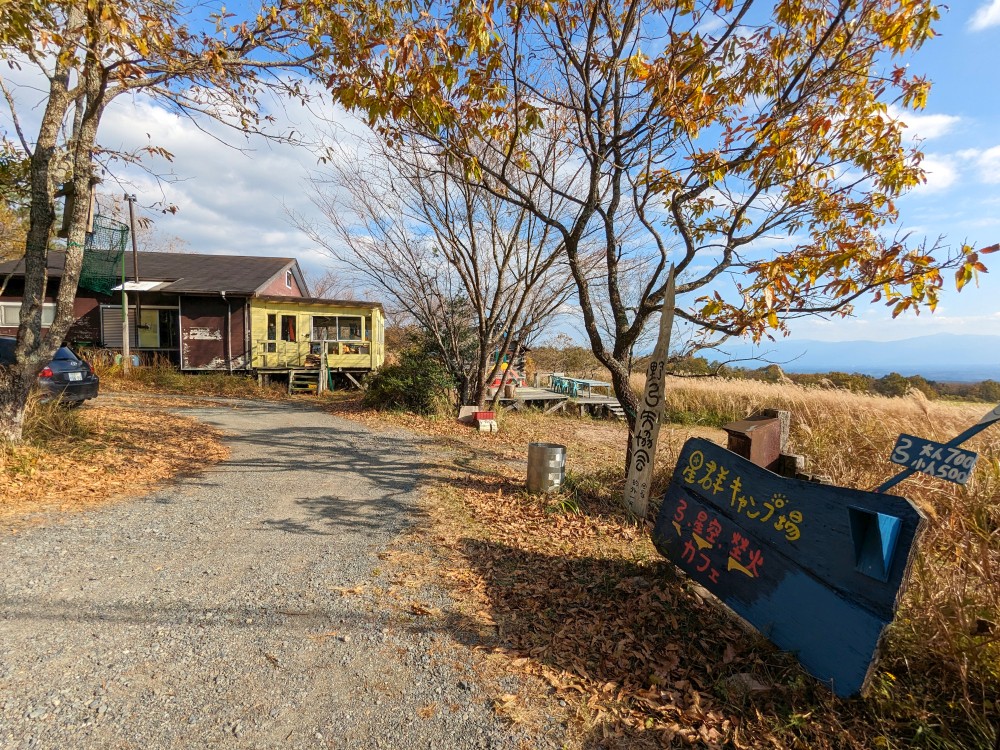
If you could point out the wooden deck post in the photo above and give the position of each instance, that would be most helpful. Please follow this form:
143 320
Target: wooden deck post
321 386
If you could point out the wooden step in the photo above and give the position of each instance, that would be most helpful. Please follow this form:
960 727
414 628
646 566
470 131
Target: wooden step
303 381
617 410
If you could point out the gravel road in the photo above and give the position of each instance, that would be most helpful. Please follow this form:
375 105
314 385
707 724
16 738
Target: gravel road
207 613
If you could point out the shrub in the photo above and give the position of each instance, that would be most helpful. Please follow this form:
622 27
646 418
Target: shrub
417 382
49 421
988 390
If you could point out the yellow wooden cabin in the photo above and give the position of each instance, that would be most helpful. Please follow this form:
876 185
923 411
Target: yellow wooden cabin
299 333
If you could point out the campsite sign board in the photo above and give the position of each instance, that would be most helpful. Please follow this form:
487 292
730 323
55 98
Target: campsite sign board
817 569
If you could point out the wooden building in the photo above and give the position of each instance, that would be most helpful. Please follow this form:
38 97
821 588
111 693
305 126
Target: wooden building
218 312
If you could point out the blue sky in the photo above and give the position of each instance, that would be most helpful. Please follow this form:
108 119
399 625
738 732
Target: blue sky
960 128
237 200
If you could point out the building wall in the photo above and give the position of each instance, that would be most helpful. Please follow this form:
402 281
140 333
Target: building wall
293 353
86 329
204 333
278 287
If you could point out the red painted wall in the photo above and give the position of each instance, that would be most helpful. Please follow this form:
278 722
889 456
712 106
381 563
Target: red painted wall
278 288
203 333
87 326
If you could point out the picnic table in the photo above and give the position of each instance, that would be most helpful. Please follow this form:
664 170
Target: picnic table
573 386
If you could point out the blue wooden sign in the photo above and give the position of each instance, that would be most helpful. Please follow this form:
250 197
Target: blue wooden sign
817 569
936 459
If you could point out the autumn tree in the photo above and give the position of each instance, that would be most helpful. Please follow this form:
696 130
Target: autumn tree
480 275
748 142
13 202
88 53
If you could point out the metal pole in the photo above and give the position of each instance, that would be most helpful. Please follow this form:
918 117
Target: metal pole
126 356
135 260
991 418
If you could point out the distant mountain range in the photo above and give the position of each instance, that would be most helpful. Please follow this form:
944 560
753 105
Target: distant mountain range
942 356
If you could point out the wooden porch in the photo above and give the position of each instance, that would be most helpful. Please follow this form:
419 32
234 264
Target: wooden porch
604 407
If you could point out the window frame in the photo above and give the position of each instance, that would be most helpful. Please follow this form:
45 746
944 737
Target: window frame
335 326
48 314
290 334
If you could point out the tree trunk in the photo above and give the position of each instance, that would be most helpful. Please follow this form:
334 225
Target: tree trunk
32 350
478 397
621 381
14 390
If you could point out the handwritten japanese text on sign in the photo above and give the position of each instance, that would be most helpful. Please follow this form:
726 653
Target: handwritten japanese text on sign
815 568
936 459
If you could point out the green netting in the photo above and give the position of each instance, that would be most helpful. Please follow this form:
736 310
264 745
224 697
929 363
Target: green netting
102 255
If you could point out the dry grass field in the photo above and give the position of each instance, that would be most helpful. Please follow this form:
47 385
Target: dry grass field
583 603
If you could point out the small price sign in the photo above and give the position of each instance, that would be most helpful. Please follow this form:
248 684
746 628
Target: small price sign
935 459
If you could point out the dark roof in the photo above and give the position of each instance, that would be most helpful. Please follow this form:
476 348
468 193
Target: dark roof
317 301
191 272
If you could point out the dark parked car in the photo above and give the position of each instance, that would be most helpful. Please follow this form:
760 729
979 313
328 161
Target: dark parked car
67 377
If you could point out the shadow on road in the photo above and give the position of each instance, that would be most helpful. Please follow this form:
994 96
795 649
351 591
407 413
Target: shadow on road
374 474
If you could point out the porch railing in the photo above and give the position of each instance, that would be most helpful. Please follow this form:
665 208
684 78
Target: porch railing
333 354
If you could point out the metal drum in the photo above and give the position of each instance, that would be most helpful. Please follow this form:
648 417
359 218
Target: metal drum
546 466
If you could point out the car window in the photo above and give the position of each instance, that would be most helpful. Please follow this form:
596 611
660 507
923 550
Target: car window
65 353
7 351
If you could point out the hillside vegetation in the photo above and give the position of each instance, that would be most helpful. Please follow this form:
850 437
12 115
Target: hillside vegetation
576 360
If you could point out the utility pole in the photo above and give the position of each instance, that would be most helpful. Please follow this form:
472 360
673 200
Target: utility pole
126 356
135 262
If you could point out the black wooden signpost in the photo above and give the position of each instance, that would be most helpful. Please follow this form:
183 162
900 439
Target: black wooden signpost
817 569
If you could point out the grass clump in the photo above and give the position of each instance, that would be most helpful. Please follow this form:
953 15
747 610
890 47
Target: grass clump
50 422
160 376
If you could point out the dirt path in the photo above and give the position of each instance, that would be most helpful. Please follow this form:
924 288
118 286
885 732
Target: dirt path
239 607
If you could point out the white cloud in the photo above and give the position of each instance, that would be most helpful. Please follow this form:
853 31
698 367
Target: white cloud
924 127
986 163
986 15
941 173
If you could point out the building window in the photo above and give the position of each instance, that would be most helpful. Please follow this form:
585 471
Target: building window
288 279
10 314
272 333
349 329
338 328
288 328
324 328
